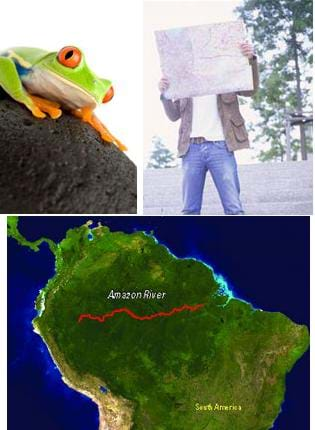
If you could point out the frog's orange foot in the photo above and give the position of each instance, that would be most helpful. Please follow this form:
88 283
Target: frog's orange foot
86 114
37 112
105 134
108 138
42 105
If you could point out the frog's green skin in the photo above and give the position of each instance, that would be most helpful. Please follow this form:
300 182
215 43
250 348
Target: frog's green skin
44 84
40 73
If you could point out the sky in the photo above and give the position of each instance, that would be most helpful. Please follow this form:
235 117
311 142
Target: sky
160 15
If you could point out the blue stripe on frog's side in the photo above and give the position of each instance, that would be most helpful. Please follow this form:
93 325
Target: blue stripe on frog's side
22 71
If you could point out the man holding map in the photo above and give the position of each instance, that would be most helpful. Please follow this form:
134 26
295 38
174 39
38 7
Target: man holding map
200 87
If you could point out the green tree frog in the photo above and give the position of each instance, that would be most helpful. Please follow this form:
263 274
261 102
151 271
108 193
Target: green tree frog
47 82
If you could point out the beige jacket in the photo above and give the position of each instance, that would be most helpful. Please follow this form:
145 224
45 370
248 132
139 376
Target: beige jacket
233 123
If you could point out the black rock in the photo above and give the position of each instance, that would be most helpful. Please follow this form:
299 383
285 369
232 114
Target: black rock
60 166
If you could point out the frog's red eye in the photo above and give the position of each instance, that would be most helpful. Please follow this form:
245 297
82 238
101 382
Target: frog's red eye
69 56
109 95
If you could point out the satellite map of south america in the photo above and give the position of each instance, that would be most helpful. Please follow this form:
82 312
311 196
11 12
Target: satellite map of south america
124 323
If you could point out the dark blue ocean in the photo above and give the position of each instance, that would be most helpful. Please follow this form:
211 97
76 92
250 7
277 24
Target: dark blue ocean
264 259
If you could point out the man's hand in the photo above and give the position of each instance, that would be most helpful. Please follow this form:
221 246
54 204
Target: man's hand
247 50
163 85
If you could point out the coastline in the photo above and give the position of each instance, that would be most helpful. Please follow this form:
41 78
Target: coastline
109 409
115 412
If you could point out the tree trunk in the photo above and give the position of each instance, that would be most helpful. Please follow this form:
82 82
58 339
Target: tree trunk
299 95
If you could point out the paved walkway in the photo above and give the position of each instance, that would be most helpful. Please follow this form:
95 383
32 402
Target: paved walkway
267 189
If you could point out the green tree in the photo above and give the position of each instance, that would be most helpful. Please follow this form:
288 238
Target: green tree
282 31
161 157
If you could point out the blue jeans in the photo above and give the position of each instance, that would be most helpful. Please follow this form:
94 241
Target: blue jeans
215 157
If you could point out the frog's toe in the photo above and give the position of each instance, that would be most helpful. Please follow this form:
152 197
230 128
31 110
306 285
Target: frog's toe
110 139
38 113
121 146
48 106
54 113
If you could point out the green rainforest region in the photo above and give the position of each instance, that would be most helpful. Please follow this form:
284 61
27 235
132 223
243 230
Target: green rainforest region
222 366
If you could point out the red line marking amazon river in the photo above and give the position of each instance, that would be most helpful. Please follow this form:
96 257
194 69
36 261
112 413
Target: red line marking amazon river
102 318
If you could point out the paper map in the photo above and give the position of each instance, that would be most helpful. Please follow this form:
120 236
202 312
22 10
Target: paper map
204 59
